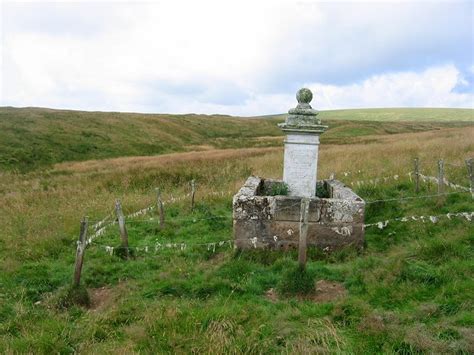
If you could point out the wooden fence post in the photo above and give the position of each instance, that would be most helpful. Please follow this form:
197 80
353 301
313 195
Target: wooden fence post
81 247
193 192
470 173
159 207
304 209
122 227
440 176
417 175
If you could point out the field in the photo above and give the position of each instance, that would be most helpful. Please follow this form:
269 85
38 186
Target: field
409 291
395 115
34 138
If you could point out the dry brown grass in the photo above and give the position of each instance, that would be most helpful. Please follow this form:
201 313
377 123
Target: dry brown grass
160 161
220 334
319 337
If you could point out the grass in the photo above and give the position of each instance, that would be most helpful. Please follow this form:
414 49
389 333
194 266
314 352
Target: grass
275 189
390 115
71 296
35 138
409 291
402 114
296 281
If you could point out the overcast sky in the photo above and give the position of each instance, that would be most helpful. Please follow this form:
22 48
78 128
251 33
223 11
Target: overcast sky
236 57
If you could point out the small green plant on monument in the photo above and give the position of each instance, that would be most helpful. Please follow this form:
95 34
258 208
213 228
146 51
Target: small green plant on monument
322 190
277 189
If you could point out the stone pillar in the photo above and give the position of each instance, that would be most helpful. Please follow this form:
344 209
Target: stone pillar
302 128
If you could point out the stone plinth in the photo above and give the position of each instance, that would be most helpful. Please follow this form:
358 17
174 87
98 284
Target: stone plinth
260 221
302 128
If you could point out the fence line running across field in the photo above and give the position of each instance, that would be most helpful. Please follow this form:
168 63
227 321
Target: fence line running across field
181 246
116 216
433 219
397 177
101 226
289 207
445 181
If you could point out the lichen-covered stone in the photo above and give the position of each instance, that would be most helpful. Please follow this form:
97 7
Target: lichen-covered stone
273 221
304 96
303 115
303 129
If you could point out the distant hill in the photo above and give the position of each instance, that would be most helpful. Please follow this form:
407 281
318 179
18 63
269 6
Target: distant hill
402 114
396 114
32 138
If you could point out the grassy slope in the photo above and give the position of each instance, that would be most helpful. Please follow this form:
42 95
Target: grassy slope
32 138
397 114
408 292
402 114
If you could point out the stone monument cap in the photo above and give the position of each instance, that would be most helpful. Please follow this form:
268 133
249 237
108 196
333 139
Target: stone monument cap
303 117
304 96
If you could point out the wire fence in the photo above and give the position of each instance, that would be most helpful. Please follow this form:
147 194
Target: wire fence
213 246
433 219
100 227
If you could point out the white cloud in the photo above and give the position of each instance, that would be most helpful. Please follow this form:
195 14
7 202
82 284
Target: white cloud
433 87
231 57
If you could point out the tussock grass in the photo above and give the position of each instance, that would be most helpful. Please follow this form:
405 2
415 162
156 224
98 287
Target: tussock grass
296 281
72 296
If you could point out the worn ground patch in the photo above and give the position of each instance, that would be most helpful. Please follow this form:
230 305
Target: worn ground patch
325 291
272 295
100 298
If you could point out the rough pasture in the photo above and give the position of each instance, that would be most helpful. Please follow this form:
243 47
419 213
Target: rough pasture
408 291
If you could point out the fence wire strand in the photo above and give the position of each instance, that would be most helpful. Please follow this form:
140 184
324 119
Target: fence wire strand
99 227
181 246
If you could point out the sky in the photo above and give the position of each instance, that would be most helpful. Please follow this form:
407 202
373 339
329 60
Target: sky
236 57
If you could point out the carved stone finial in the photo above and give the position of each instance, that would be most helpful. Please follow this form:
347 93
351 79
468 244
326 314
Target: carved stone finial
304 96
303 116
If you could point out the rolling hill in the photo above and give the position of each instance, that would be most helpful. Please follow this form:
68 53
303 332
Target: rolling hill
32 138
407 292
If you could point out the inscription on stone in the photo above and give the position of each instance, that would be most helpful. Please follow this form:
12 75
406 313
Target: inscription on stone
301 146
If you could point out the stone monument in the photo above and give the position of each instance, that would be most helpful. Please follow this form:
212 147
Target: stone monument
266 217
302 128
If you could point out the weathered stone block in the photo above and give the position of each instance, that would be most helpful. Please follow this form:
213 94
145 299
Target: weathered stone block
273 221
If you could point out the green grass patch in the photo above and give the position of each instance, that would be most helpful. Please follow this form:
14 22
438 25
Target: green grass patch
296 281
216 298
